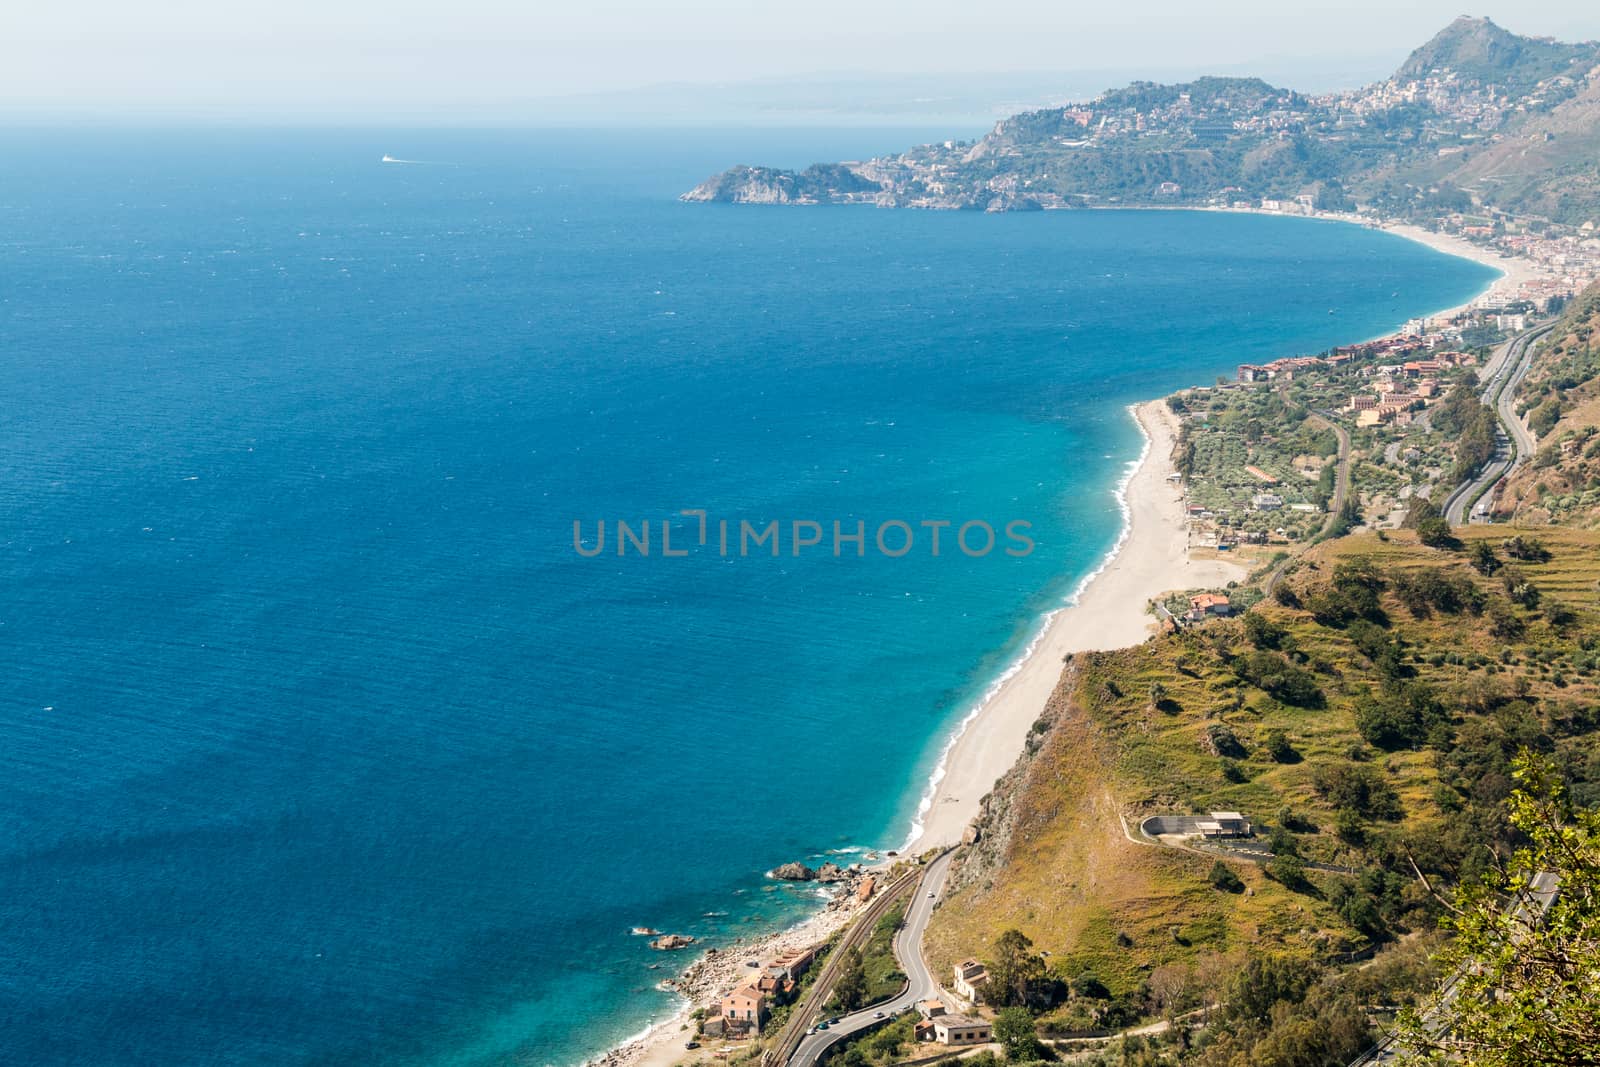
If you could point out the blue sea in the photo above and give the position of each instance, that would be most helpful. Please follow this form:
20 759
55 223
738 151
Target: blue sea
322 744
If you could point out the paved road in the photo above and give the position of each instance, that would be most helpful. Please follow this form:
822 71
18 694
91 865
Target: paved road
1436 1021
908 950
1514 444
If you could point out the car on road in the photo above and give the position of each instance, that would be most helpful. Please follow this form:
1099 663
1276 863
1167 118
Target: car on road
691 1044
822 1025
877 1015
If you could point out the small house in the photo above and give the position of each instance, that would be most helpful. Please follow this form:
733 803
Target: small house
746 1005
960 1030
971 977
1206 605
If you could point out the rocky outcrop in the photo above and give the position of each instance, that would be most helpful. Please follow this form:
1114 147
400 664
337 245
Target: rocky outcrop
821 183
671 942
831 872
794 872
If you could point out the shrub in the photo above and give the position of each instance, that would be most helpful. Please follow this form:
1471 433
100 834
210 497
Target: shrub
1288 871
1277 677
1223 878
1279 748
1357 787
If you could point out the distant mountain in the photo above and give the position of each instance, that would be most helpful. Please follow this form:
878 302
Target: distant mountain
1477 121
1478 49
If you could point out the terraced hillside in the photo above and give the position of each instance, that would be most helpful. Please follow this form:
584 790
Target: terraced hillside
1364 719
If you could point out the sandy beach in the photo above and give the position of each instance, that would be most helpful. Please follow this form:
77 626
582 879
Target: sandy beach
1110 612
1514 270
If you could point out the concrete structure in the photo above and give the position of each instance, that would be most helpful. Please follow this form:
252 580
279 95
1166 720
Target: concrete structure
791 965
1216 824
960 1030
1232 822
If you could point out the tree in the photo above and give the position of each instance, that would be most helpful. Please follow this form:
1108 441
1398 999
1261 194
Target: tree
1262 632
1288 871
1017 974
1280 748
1223 878
1527 549
1265 980
1015 1033
1524 976
1169 988
1435 533
850 990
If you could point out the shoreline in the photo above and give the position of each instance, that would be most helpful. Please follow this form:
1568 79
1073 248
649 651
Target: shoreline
1105 611
1108 610
660 1044
1513 270
950 798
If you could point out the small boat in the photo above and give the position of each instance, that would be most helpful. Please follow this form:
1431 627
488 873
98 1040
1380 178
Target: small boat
645 931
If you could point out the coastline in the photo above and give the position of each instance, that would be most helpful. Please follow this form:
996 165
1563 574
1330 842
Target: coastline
1106 611
661 1043
1513 270
1100 613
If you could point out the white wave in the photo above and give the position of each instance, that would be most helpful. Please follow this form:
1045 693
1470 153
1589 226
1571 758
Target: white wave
941 768
678 1018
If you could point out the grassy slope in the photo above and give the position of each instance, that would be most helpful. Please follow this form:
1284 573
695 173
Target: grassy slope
1072 881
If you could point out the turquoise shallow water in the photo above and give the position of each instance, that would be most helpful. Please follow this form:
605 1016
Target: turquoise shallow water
323 745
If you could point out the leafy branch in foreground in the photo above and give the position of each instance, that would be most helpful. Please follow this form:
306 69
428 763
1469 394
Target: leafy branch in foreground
1527 966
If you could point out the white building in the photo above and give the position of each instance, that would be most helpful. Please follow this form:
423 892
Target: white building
971 978
960 1030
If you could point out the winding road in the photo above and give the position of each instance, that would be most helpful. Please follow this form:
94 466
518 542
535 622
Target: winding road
1514 444
920 985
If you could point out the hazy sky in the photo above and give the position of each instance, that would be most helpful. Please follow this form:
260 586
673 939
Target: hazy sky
398 58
